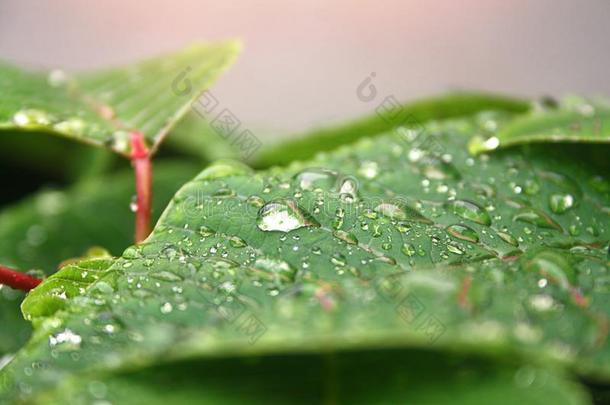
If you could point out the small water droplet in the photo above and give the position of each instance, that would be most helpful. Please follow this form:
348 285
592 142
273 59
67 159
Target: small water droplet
338 259
463 232
469 210
408 249
508 238
237 242
347 237
400 211
206 231
316 179
560 203
369 169
166 308
66 340
277 270
536 217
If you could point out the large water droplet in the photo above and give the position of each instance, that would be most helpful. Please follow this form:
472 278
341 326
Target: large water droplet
283 215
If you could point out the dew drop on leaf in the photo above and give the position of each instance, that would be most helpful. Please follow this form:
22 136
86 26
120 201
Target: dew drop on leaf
316 179
463 232
469 210
283 215
536 217
560 203
508 238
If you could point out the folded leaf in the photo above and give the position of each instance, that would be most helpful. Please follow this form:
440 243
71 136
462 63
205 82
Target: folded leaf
101 108
575 121
412 115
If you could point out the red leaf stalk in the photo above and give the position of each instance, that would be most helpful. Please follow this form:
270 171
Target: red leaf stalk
140 159
17 280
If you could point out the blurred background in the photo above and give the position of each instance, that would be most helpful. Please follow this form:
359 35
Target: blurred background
302 61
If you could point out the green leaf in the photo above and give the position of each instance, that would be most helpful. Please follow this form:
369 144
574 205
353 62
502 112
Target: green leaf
575 121
54 225
101 107
409 115
384 245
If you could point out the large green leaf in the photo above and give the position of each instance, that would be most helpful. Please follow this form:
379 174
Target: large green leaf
102 107
380 245
54 225
412 115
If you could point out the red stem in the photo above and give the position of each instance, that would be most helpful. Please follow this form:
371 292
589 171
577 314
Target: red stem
17 280
140 159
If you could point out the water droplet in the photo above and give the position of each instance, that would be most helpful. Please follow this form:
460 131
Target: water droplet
277 270
32 118
316 179
166 308
454 249
255 201
554 267
508 238
408 249
479 144
237 242
348 189
403 227
463 232
347 237
469 210
73 126
369 169
283 215
224 192
66 339
560 203
400 211
338 259
166 276
206 231
536 217
531 187
104 287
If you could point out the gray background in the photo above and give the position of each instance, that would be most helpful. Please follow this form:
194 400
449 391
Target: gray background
303 60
